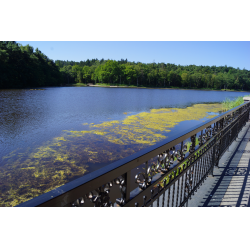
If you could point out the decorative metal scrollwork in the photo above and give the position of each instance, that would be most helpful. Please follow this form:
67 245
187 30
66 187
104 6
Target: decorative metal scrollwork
144 179
229 119
206 136
173 156
208 132
100 197
201 139
189 182
78 202
155 168
166 161
180 153
121 182
214 131
221 124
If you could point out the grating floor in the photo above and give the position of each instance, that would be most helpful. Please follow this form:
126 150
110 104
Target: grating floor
230 186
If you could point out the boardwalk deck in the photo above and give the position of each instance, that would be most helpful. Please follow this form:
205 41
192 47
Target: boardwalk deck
230 186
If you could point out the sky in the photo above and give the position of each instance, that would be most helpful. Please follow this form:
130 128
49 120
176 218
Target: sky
207 53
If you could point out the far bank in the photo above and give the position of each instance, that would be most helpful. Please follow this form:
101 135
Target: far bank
106 85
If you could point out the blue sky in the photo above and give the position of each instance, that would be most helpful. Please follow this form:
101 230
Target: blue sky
219 53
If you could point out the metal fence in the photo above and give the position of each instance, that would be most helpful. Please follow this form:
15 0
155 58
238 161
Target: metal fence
166 174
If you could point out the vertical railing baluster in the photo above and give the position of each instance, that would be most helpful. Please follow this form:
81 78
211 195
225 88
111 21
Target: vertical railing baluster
194 173
197 172
201 138
204 168
204 165
192 179
158 199
182 179
209 160
185 187
187 173
213 157
144 200
208 163
217 149
152 194
194 168
200 169
173 195
178 184
164 193
168 194
177 193
212 160
128 185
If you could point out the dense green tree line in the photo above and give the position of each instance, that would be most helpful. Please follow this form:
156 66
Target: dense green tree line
154 75
21 66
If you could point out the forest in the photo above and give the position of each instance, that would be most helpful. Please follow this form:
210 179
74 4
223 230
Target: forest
21 66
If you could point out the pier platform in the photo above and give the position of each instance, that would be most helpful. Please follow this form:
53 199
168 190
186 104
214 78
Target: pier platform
230 185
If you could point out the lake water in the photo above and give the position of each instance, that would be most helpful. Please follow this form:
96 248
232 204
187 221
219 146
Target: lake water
38 124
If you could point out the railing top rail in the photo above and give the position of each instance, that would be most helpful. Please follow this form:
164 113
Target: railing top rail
89 182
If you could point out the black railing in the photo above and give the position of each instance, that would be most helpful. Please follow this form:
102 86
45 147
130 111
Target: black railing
166 174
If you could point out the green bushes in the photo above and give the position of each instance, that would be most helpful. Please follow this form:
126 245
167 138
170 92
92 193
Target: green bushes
230 104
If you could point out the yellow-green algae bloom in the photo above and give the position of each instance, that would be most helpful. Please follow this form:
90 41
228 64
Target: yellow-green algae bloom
148 127
27 175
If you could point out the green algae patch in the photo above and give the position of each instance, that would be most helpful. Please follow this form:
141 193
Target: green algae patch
105 124
150 127
29 168
69 156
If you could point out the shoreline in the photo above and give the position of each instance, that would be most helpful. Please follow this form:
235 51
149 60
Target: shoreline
117 86
134 87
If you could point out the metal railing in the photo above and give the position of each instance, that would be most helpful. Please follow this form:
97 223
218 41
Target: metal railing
165 174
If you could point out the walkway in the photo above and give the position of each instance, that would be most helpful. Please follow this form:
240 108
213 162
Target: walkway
230 186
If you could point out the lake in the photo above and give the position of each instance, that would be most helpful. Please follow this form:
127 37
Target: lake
51 136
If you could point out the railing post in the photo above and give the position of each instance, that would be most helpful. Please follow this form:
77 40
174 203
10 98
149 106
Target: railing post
213 159
238 123
128 186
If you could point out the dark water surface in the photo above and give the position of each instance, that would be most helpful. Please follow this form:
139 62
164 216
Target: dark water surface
30 118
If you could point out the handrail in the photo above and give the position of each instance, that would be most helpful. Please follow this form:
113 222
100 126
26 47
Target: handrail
114 184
